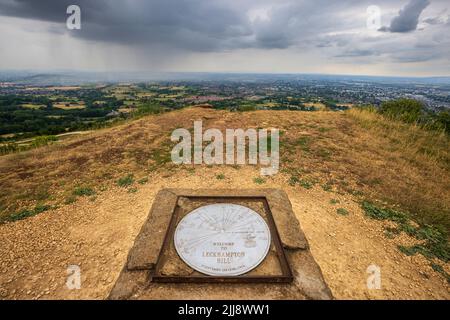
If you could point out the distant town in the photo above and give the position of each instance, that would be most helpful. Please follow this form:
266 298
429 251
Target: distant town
34 105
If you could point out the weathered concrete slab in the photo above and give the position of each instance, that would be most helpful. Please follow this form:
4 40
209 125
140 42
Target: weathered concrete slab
134 281
144 253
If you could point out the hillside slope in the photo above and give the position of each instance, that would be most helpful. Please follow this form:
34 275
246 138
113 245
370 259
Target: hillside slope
95 192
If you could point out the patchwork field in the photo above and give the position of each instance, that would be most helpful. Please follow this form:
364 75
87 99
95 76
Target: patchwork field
69 106
33 106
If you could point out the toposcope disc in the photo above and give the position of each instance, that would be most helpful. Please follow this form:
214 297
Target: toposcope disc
222 239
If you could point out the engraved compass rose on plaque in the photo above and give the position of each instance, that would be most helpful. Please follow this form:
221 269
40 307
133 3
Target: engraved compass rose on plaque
222 239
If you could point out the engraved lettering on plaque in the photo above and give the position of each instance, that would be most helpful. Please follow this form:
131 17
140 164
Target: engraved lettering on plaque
222 239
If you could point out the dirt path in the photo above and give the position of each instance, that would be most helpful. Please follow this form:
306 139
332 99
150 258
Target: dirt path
96 235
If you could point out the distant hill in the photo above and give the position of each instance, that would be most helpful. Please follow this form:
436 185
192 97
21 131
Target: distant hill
78 77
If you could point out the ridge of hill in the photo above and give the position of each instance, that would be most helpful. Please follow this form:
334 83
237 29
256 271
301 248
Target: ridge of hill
83 200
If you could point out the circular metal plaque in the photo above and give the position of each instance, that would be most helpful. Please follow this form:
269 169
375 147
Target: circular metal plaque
222 239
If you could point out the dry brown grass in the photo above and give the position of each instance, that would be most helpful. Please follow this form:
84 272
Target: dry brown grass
412 166
348 152
50 174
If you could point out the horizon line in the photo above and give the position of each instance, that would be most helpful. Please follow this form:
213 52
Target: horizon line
61 70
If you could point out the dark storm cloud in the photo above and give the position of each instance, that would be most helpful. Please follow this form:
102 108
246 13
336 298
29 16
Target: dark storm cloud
408 17
195 24
159 29
45 10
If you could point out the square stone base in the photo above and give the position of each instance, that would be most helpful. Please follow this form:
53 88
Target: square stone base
135 280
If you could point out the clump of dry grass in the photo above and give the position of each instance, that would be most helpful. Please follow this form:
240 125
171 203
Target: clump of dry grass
417 143
416 165
364 154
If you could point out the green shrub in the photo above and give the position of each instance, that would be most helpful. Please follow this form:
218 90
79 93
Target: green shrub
8 148
406 110
435 240
247 107
306 184
41 208
25 213
143 180
149 108
382 213
439 121
259 180
35 143
125 181
43 141
83 191
293 180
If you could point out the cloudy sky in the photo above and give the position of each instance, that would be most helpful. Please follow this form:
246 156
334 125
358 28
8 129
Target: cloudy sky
410 38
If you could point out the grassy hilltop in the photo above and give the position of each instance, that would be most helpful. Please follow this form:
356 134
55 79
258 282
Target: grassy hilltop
394 172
